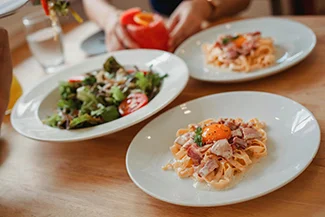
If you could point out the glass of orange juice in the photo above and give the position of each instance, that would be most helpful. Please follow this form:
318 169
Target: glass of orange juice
15 92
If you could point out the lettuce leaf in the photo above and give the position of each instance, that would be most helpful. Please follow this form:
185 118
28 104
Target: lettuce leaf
108 113
117 94
89 80
111 65
85 95
83 120
68 104
142 81
90 101
68 90
148 82
53 120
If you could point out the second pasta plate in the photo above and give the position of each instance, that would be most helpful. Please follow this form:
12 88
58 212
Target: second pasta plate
189 156
246 50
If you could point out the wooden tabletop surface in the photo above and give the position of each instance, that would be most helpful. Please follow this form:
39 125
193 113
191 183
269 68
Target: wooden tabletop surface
89 178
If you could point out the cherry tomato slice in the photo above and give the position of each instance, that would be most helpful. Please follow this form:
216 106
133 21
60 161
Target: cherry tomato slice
45 7
132 103
130 71
76 78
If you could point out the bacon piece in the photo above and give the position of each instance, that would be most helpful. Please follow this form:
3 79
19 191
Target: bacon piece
236 133
189 143
194 153
251 133
230 51
217 44
222 120
205 148
231 54
256 33
240 143
231 123
222 148
193 126
208 167
182 139
246 125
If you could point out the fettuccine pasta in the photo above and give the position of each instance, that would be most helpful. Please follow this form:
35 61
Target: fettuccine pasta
242 52
215 152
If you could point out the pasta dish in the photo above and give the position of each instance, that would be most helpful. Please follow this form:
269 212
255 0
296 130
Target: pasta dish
241 52
215 152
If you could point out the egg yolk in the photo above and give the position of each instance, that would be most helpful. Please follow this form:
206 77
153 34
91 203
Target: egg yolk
215 132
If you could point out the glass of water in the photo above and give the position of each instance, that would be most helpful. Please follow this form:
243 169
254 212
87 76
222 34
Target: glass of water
44 40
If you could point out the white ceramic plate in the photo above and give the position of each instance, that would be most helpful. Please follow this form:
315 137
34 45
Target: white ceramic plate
40 101
293 141
293 41
10 6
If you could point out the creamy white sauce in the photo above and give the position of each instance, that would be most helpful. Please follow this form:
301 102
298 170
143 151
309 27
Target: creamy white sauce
236 179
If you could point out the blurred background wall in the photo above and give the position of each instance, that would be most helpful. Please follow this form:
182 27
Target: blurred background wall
257 8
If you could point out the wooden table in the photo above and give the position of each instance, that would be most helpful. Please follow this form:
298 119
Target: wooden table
89 178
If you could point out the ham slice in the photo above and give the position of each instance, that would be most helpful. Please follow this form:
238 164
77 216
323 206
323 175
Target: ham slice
182 139
222 148
189 143
205 148
231 123
251 133
239 143
236 133
209 166
194 153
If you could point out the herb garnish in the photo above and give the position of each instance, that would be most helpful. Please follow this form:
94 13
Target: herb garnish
225 41
198 136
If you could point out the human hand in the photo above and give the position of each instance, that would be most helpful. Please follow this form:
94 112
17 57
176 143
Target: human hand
117 37
186 20
5 72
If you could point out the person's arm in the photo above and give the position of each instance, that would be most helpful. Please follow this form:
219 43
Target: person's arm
100 11
107 17
5 72
186 20
226 8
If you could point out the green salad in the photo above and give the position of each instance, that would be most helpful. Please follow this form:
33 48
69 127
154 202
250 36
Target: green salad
104 95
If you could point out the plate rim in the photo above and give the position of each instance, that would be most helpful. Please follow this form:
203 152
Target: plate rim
83 138
13 7
216 204
252 76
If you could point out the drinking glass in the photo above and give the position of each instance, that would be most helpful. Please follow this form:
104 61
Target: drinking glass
44 40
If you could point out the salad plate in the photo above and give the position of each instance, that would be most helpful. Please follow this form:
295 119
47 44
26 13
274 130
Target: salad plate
52 109
293 138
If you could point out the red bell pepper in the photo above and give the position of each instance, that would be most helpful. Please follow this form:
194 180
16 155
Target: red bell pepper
148 30
45 6
127 16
